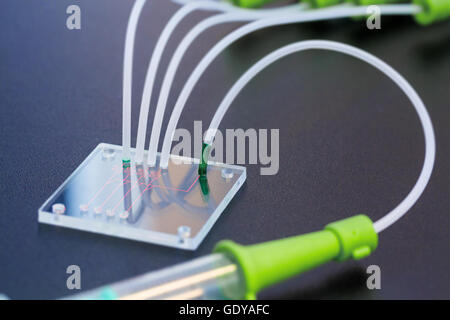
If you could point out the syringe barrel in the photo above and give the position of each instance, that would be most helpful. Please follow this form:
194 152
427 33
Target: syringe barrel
210 277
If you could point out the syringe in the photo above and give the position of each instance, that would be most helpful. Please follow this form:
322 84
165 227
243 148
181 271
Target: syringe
237 272
210 277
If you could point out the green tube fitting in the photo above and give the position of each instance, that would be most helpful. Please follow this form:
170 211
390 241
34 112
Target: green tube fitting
203 166
251 3
375 2
433 11
271 262
323 3
204 185
126 163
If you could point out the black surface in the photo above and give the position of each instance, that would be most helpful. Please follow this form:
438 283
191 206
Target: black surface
350 143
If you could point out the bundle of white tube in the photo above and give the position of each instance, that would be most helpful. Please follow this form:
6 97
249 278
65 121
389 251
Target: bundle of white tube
322 14
265 17
233 15
243 15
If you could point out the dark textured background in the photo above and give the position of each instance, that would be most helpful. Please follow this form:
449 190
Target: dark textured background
350 143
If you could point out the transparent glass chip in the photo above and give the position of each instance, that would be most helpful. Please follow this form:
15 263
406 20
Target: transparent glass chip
173 207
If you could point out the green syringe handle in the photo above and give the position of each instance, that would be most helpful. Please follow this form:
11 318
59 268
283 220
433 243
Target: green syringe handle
271 262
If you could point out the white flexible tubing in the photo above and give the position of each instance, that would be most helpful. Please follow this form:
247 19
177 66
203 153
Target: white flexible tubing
322 14
154 63
230 6
170 75
241 15
427 126
127 77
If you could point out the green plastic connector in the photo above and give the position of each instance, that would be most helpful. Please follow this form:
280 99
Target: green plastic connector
126 163
271 262
356 235
204 185
203 166
375 2
433 11
251 3
323 3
